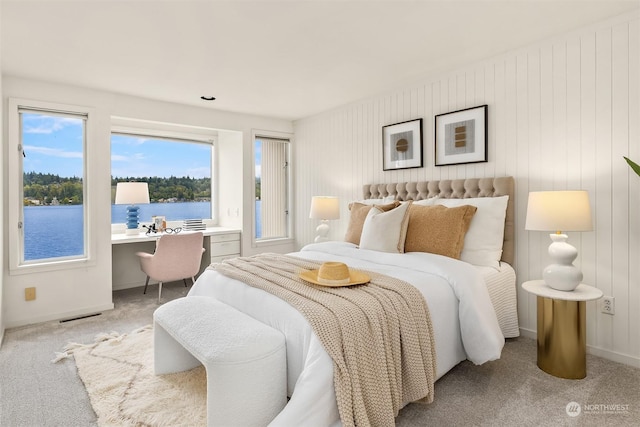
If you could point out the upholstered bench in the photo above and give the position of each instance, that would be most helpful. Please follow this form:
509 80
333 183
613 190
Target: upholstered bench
245 360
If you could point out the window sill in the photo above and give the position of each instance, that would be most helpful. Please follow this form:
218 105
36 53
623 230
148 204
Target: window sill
273 242
44 267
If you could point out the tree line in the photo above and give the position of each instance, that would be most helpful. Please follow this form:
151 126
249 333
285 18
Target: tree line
47 189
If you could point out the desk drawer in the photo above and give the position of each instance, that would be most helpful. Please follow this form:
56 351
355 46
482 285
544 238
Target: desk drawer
215 259
225 248
216 238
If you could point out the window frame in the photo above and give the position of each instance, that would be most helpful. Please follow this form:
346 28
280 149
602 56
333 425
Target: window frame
176 133
17 265
290 238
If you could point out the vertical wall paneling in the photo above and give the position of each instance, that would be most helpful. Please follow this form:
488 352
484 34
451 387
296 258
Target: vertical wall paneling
620 200
535 157
490 100
633 254
603 172
522 164
562 113
500 108
587 77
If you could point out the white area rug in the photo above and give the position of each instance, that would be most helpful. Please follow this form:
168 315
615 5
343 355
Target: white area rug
117 371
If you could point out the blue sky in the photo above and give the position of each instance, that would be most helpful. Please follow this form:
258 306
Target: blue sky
54 145
138 156
258 148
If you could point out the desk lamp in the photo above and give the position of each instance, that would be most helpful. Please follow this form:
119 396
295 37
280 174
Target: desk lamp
324 208
132 193
560 211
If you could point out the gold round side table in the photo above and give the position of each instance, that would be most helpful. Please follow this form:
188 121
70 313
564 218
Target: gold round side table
562 341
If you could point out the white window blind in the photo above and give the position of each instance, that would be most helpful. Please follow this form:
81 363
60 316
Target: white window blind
274 188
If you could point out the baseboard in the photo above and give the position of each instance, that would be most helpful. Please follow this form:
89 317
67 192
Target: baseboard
528 333
130 285
625 359
59 316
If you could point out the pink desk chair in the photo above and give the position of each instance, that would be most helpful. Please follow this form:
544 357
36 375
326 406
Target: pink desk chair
177 256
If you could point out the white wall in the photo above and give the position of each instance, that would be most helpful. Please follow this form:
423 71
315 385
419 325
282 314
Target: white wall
562 114
2 262
68 293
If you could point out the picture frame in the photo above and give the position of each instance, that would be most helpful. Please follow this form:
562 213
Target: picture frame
159 222
402 145
461 136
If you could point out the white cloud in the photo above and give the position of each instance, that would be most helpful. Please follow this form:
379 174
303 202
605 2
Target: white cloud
36 124
129 140
202 172
52 152
127 158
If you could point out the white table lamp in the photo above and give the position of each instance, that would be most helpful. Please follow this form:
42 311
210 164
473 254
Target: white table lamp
132 194
560 211
324 208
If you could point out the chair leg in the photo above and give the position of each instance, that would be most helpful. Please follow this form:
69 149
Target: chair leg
193 280
185 283
159 291
145 285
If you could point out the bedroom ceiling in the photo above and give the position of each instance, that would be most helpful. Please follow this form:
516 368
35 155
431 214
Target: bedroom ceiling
287 59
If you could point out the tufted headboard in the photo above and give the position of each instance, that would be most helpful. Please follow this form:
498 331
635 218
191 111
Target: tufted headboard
456 189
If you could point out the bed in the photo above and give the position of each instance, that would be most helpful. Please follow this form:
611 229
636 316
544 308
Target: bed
472 307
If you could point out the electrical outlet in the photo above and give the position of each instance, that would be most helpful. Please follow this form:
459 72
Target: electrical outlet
608 305
29 294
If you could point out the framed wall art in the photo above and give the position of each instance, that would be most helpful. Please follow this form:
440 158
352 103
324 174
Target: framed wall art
402 145
461 136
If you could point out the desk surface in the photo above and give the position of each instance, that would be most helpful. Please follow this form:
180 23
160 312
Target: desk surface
120 238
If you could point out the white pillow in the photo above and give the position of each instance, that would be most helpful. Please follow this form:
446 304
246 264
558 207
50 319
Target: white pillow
431 201
389 199
384 201
483 241
370 201
385 231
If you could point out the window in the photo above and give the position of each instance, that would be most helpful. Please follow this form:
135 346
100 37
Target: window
272 188
178 170
50 223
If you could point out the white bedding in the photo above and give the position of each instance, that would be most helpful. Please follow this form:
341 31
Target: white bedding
464 321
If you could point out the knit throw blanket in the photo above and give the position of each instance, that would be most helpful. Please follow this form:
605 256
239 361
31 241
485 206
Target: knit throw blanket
379 335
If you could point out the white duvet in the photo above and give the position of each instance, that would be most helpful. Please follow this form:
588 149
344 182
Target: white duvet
464 321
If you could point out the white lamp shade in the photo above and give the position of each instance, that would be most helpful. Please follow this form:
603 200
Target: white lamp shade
324 207
132 193
559 211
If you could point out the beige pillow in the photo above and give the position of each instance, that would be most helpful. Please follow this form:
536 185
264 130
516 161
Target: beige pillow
359 213
438 229
385 231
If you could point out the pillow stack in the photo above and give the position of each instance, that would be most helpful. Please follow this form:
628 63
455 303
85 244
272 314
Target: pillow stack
471 230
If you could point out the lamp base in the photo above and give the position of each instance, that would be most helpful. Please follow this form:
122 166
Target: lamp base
562 275
322 231
132 220
132 231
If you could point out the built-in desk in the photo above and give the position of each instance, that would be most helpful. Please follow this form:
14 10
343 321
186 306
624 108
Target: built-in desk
221 243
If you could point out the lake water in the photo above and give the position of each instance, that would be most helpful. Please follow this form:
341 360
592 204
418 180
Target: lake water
56 231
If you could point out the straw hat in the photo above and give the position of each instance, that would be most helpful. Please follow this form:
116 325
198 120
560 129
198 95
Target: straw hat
335 274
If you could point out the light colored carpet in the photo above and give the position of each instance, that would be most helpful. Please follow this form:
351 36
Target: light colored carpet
117 372
510 392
